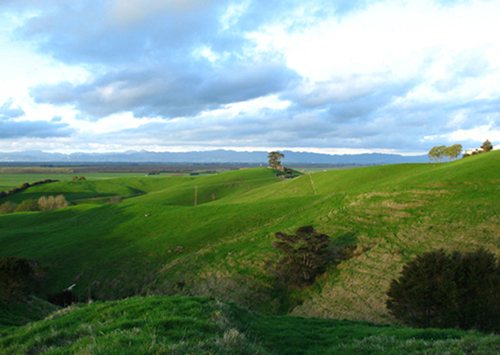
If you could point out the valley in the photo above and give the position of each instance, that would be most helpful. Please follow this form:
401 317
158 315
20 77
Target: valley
154 243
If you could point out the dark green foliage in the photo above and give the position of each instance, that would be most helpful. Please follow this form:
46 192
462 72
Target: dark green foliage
24 187
28 206
16 277
487 146
305 255
439 290
7 207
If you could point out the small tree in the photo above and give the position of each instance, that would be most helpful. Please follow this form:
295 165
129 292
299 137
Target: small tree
16 277
27 206
437 153
487 146
7 207
305 255
453 152
275 159
461 290
51 202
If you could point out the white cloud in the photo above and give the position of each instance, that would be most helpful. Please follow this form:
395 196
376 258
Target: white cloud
358 75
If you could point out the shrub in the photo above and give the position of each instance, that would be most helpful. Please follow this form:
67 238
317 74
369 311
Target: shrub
115 199
16 277
27 206
7 207
305 255
51 202
439 290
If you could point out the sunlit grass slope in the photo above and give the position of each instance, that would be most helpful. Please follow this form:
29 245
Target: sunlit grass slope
185 325
224 247
117 250
211 188
390 213
86 191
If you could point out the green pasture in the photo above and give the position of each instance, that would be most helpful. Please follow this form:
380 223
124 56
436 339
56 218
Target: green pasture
8 181
187 325
156 242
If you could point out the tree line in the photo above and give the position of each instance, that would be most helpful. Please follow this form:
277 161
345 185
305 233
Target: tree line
24 187
438 153
44 203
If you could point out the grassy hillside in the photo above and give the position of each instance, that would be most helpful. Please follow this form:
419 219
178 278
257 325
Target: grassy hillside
223 247
96 190
180 325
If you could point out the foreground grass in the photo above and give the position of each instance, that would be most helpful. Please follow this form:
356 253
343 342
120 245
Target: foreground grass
185 325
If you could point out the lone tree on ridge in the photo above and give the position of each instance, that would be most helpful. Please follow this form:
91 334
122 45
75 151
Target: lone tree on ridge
275 159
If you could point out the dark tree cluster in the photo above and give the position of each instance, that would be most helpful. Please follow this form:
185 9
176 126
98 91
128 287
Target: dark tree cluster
24 187
305 255
440 290
19 277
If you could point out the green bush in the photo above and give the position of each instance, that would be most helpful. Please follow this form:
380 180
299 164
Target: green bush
305 255
52 203
16 277
27 206
7 207
439 290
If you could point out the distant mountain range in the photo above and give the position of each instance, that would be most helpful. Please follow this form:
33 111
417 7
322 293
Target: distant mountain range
213 156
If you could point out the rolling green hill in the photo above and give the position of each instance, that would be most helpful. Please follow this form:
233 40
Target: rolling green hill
223 247
193 325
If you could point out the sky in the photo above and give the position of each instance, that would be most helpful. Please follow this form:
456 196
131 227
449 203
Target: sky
336 77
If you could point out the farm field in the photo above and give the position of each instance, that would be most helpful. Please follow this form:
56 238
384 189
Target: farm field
156 242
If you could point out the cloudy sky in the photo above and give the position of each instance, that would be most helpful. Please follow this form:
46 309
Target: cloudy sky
338 76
